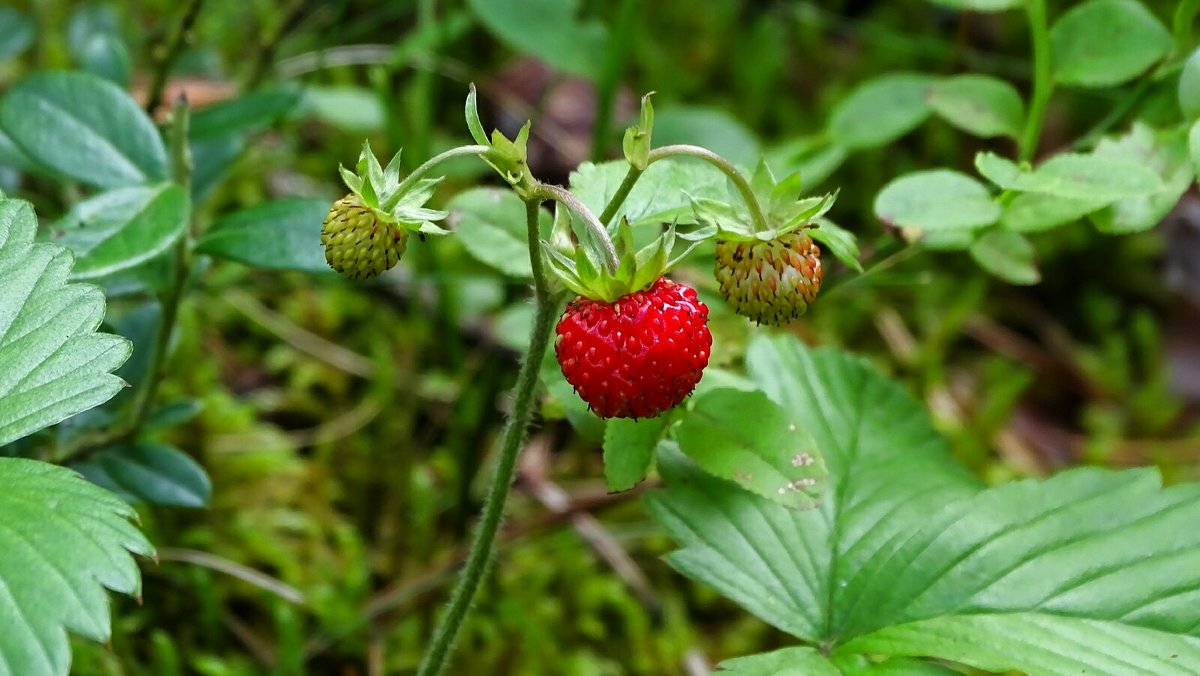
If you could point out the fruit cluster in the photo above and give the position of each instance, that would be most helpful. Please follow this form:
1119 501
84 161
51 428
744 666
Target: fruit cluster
633 343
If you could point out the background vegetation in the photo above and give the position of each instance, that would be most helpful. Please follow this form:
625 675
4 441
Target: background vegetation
347 428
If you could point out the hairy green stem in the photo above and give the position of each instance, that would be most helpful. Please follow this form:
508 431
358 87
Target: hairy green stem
480 555
419 172
1043 78
618 198
181 171
739 181
162 69
559 194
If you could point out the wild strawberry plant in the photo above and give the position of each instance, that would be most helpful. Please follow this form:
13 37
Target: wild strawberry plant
808 487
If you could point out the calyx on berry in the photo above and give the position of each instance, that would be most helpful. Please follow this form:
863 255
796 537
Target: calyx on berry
782 210
389 199
366 232
586 273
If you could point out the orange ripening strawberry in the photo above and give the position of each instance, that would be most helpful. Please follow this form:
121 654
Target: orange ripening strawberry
638 355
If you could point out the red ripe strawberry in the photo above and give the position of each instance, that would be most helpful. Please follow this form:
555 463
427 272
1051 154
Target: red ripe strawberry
638 355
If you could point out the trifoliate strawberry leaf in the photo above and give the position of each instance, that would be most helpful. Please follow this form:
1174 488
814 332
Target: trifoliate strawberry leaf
909 555
53 364
64 541
746 438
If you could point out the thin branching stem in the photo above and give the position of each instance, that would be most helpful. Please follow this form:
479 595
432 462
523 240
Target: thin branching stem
739 181
475 569
566 197
1043 78
170 51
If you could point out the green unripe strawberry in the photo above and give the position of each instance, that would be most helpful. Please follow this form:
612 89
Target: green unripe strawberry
365 233
357 244
770 282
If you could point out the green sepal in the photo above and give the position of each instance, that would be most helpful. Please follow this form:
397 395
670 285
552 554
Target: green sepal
784 212
636 143
840 242
563 269
382 191
473 123
561 234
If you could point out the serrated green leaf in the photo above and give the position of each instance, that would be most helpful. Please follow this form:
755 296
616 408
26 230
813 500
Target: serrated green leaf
807 661
85 128
280 235
1092 571
979 105
1007 255
779 563
1101 43
1034 643
491 226
746 438
64 542
937 200
123 228
52 362
149 472
548 29
797 661
881 110
658 197
629 448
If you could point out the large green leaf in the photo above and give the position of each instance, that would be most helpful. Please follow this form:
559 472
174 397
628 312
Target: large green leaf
746 438
64 541
52 362
547 29
246 114
879 111
149 472
1100 43
1092 571
282 235
85 128
939 199
122 228
805 661
660 195
979 104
